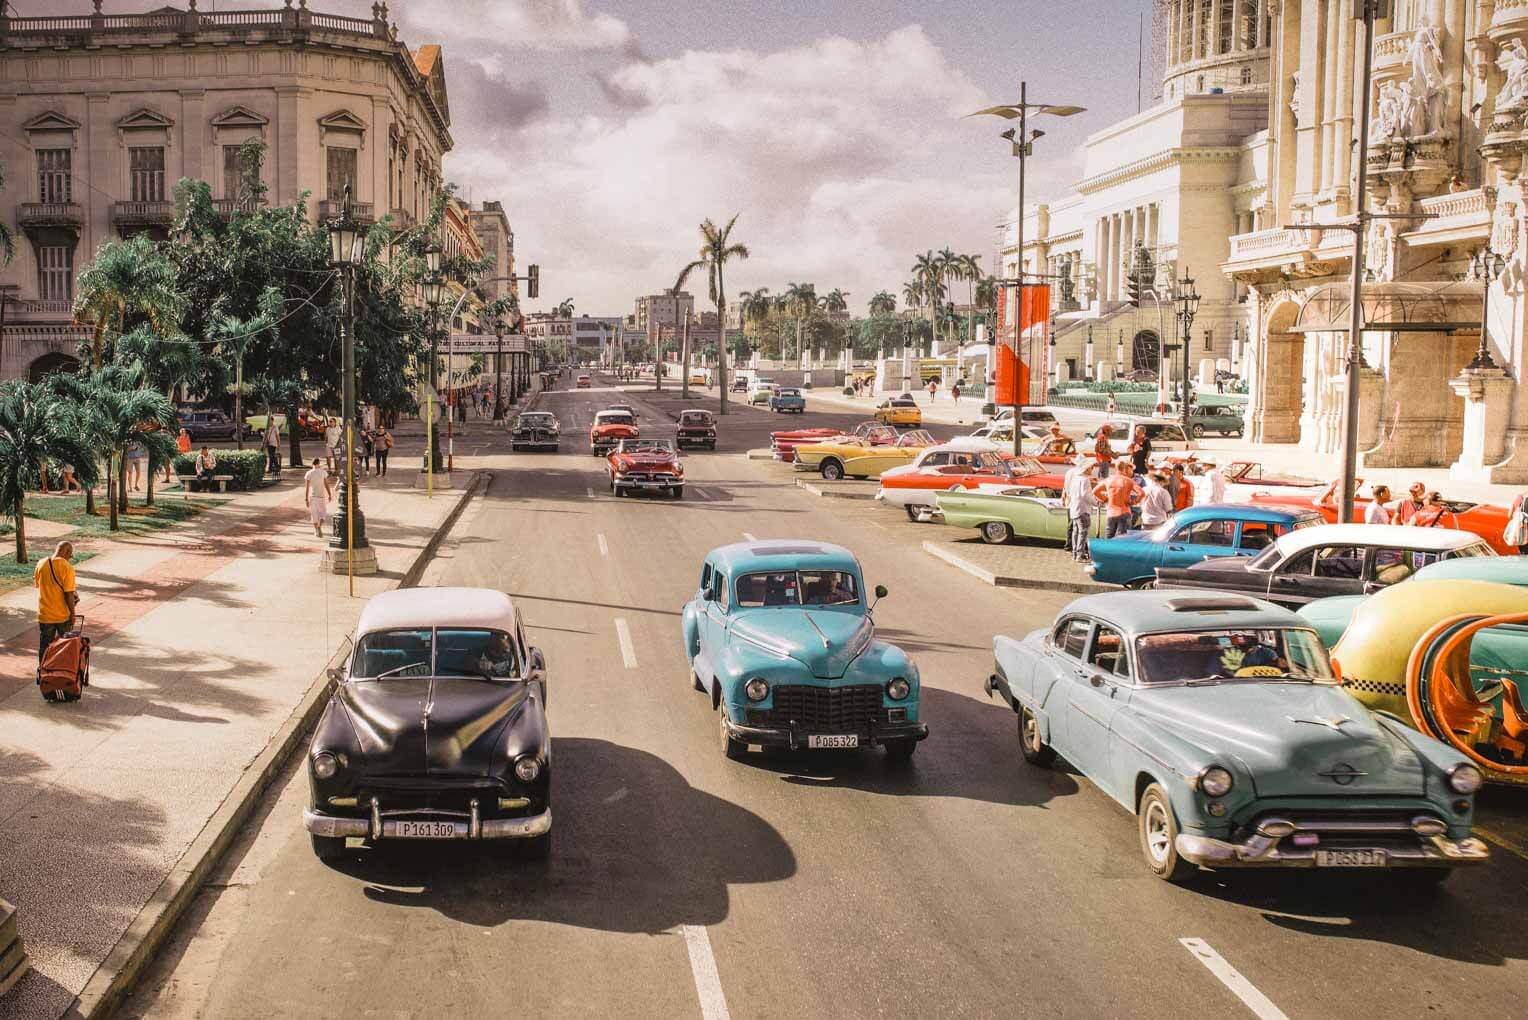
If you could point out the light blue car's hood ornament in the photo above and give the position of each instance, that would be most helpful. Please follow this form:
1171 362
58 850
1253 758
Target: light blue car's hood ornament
826 641
1331 722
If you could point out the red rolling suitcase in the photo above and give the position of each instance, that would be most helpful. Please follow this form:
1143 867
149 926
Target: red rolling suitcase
66 665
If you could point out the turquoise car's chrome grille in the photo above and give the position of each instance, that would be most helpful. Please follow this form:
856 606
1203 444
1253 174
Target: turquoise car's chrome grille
852 709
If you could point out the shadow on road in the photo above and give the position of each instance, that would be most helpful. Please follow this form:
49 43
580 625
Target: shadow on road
637 849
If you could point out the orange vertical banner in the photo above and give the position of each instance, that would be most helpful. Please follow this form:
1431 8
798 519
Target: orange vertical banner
1036 307
1012 377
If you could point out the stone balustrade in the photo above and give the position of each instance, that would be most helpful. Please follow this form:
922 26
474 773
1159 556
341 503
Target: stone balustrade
86 29
1263 243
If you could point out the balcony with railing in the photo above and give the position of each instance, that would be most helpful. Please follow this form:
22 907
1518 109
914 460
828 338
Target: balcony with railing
142 214
96 29
1274 243
67 215
229 206
402 219
332 208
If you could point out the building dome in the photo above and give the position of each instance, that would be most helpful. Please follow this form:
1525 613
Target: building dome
1207 46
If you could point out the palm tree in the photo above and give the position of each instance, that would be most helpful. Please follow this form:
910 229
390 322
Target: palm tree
986 297
77 394
33 428
800 299
716 250
129 414
968 268
284 393
127 278
564 308
883 304
835 301
235 335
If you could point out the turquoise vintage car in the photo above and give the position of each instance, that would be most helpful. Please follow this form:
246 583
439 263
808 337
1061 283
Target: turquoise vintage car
1002 513
1218 721
1197 533
1330 617
788 399
780 634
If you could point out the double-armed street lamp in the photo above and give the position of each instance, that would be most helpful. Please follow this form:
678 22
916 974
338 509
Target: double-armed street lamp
1487 266
434 287
1188 307
347 251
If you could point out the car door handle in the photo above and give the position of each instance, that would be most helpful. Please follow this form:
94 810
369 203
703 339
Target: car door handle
1175 548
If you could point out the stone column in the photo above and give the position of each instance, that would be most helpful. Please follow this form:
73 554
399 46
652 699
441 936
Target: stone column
1193 33
193 134
1487 395
99 144
1331 59
1117 256
1342 127
1104 241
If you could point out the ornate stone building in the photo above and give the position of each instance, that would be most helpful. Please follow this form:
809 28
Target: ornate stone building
1449 108
100 115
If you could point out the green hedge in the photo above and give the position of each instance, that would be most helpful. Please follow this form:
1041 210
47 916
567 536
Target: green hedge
246 466
1112 386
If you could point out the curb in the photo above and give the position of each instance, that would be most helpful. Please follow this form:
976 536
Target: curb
139 944
819 489
763 453
938 551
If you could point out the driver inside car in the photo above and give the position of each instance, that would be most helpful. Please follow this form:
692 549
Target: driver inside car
497 659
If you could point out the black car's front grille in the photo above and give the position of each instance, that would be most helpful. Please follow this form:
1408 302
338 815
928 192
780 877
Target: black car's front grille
852 709
406 795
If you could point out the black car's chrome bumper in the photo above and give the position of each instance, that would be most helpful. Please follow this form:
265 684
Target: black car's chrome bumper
794 738
1270 845
375 827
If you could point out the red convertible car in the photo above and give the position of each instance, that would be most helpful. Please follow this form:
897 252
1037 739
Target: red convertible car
610 428
646 465
958 465
1484 519
785 443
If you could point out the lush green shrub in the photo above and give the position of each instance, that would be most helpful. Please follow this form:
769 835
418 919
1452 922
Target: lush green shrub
1112 386
246 466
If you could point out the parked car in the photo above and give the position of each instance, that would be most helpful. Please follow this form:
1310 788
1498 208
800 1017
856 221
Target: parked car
1329 559
1219 723
436 728
1330 617
1001 513
535 430
1037 416
860 458
583 382
784 443
1164 435
204 426
958 464
698 428
1487 520
645 465
788 399
1190 536
900 411
609 428
780 634
1218 419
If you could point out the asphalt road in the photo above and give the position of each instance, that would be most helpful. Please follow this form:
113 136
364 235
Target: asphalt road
683 884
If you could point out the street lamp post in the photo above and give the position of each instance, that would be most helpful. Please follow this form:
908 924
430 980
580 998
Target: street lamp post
1487 265
1188 305
434 288
347 250
498 369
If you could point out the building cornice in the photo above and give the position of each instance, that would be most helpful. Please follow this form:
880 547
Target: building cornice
1154 164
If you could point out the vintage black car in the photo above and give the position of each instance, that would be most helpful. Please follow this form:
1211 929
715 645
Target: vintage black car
535 430
696 428
203 426
1330 559
436 729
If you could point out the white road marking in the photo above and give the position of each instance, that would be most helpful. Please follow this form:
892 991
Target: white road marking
628 652
604 549
590 490
749 536
702 493
708 985
1261 1006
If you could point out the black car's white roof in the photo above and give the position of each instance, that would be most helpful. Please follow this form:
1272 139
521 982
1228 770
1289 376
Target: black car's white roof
407 608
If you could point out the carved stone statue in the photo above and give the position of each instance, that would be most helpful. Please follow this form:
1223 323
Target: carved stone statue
1411 119
1427 82
1068 288
1504 229
1387 118
1513 61
1379 252
1294 95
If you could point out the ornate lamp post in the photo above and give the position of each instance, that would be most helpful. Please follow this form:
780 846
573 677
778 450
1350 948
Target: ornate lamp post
1486 266
498 369
1188 306
347 250
434 289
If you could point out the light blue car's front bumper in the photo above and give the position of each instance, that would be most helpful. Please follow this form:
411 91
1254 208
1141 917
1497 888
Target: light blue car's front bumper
1276 842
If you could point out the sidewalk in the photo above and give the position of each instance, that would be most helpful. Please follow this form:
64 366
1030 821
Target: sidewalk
206 639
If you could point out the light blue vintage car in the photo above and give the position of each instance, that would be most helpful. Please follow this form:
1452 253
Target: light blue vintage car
780 635
1217 720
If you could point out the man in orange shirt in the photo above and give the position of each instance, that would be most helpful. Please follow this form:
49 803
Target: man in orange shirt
1405 509
1118 493
56 596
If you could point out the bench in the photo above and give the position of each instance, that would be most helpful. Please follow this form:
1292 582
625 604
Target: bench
186 481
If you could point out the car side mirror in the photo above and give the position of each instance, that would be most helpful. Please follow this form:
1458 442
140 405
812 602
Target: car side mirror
537 662
335 674
880 593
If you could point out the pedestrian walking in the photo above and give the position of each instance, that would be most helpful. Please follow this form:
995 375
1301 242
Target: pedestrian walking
368 447
955 392
1376 512
315 492
1103 450
1516 531
1112 406
332 441
1119 496
53 577
1214 483
134 467
384 446
933 388
71 484
1157 502
1140 451
273 446
1080 507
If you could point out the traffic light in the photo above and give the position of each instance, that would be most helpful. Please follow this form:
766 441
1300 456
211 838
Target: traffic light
1133 285
533 281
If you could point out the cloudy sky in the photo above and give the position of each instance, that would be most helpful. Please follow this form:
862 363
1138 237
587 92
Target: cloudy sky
610 128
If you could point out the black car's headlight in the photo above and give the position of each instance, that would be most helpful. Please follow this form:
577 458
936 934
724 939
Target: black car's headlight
325 765
1465 778
527 768
898 689
756 689
1216 781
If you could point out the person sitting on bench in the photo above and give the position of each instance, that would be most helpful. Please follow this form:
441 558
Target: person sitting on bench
206 467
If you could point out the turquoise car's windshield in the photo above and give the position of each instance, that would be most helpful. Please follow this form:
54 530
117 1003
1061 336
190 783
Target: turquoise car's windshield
797 588
1233 654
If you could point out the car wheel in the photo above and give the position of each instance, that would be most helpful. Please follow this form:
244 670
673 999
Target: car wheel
1237 434
327 848
1035 750
912 512
732 748
695 682
1159 835
677 492
1141 584
831 469
534 848
711 445
996 532
1198 431
901 749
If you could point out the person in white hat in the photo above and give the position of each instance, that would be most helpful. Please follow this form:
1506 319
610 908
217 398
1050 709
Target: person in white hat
1213 487
1077 496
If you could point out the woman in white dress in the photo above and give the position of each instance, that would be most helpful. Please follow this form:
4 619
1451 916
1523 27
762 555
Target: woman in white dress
315 492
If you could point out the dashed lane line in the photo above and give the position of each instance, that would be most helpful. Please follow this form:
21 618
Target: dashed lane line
708 984
1261 1006
702 493
604 549
590 490
628 652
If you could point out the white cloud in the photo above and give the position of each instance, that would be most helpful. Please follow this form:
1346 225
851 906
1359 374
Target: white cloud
843 157
518 24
